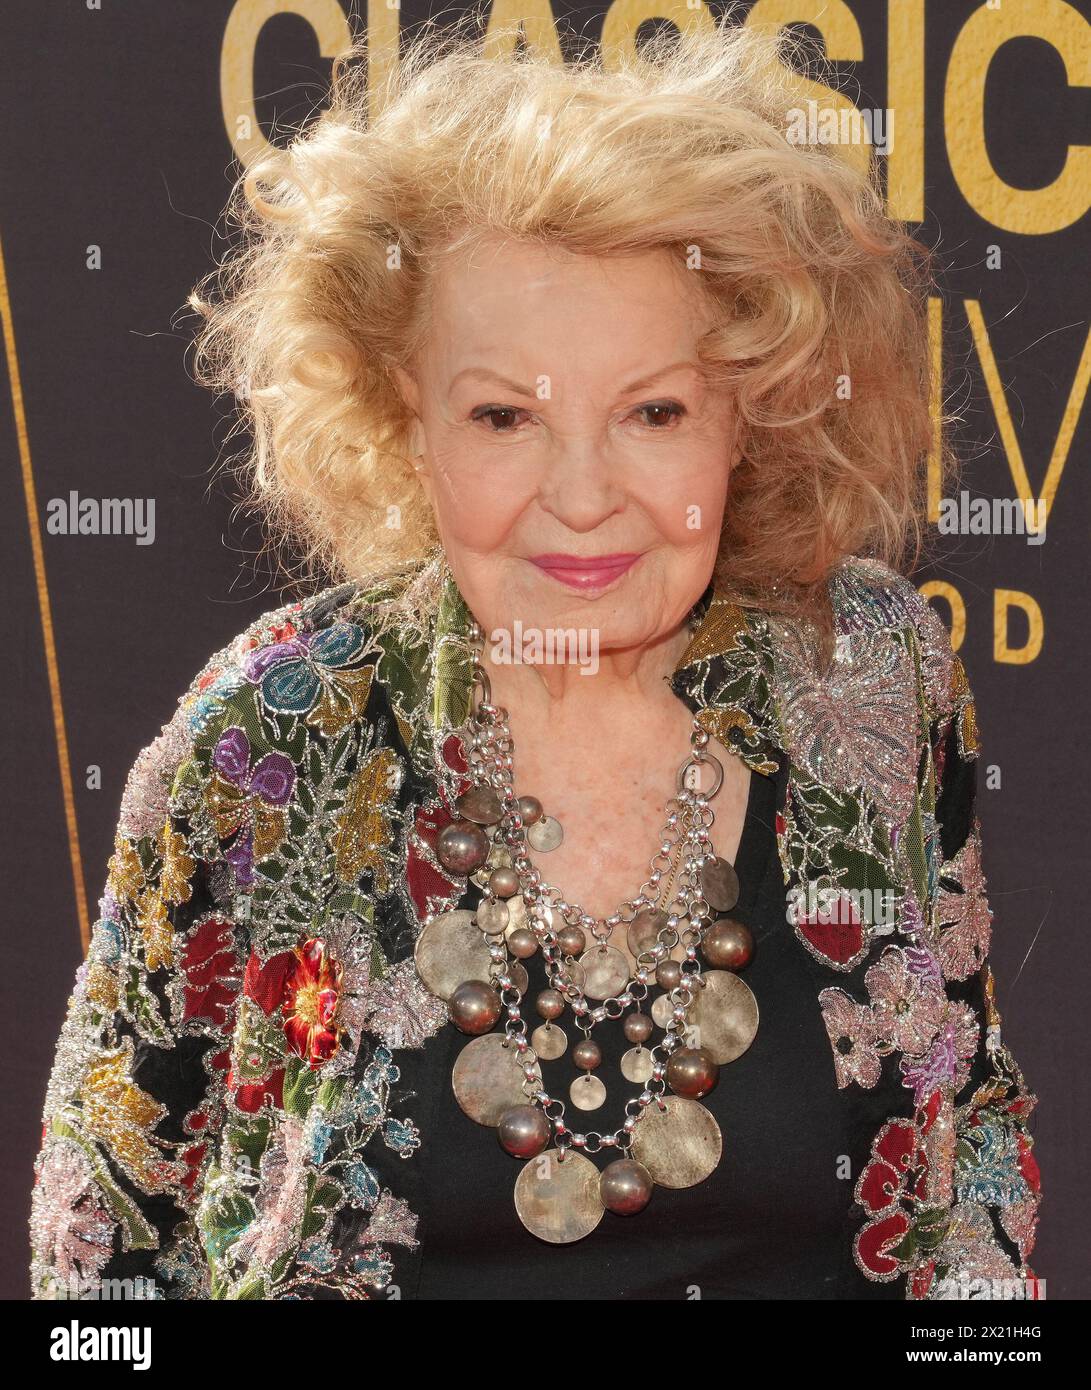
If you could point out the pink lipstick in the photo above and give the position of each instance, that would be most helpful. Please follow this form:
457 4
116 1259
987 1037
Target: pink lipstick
586 571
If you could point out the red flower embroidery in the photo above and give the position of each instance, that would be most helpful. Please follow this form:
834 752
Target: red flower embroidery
212 982
1028 1165
264 983
835 932
252 1095
889 1190
312 990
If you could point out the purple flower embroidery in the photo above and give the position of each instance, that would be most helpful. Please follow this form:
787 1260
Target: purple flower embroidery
257 809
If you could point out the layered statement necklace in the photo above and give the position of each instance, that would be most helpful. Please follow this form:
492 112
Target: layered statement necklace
703 1015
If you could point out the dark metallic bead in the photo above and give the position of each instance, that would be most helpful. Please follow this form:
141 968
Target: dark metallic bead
587 1055
462 847
474 1007
692 1072
638 1027
728 945
625 1187
523 1131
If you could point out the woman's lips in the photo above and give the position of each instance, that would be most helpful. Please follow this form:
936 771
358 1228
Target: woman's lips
585 571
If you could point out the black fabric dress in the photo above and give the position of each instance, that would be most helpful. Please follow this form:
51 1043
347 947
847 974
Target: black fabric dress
775 1220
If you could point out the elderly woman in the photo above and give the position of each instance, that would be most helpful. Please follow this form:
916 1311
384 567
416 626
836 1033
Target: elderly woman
583 896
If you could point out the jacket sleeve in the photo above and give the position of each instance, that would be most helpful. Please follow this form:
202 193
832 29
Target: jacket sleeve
991 1175
135 1094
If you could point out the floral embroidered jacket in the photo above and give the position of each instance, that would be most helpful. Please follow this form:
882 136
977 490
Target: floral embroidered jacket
230 1055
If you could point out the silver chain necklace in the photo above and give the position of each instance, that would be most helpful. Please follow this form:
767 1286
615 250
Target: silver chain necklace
474 960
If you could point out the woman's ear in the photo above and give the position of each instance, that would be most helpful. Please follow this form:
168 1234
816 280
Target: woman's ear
407 388
410 394
417 444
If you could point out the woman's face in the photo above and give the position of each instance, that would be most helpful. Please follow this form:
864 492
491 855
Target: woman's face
576 461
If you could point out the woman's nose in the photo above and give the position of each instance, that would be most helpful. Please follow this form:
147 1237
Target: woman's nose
579 485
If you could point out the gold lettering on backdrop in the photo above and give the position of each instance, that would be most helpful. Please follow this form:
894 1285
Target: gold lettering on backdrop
939 588
1003 601
843 43
244 25
1030 211
905 97
536 20
999 399
624 18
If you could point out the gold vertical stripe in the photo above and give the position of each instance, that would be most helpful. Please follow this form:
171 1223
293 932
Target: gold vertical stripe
48 642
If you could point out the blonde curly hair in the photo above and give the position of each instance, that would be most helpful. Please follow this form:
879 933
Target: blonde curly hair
684 145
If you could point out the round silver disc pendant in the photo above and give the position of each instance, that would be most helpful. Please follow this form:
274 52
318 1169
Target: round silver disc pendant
636 1065
723 1016
545 834
549 1042
662 1010
720 885
587 1092
492 917
487 1079
481 805
559 1202
517 915
643 931
681 1145
449 950
605 972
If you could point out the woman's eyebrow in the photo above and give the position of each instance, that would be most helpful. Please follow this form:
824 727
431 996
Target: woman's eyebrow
658 374
486 373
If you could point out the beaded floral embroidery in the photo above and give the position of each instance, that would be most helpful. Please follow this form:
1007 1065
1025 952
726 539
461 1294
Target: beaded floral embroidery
228 1064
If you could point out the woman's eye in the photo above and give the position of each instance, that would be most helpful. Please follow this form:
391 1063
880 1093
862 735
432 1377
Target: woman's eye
659 414
502 419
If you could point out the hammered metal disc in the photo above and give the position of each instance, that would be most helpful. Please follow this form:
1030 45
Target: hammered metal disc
517 915
487 1079
605 970
492 917
559 1202
643 931
545 834
680 1146
723 1016
481 805
519 977
636 1065
720 885
662 1010
549 1042
576 973
587 1092
449 950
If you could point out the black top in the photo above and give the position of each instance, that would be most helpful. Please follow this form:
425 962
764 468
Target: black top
775 1219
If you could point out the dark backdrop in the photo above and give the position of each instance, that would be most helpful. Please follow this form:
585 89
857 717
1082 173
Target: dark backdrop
115 137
